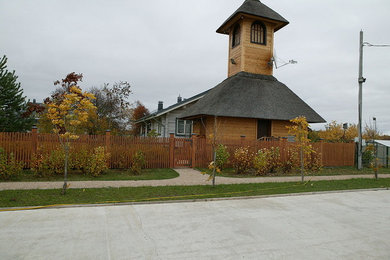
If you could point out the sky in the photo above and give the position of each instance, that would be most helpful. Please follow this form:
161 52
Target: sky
167 48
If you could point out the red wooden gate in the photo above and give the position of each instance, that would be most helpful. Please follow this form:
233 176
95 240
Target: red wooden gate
183 152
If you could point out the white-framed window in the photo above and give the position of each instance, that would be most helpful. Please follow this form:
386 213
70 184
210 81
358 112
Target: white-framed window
183 127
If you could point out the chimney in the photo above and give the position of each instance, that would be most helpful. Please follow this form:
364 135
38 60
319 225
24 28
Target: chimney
160 106
179 99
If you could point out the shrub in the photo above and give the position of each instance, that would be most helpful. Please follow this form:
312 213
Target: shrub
80 160
97 162
368 155
9 167
267 160
139 162
313 161
242 160
291 163
221 156
47 164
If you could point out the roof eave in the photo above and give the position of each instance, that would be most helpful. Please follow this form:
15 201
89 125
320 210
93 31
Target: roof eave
224 28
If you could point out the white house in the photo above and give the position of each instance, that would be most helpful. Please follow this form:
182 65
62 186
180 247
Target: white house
165 120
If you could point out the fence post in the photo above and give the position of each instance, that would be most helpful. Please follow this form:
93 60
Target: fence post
34 146
108 144
171 150
194 148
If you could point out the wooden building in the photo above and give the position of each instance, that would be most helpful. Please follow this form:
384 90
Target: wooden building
250 102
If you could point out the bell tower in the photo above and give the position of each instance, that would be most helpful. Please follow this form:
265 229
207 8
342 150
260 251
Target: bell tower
251 38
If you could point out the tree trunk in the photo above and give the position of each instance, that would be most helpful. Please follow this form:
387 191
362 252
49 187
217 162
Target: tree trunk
214 148
214 167
302 164
65 170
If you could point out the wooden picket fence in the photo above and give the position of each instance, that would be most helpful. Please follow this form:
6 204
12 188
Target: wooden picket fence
160 152
332 154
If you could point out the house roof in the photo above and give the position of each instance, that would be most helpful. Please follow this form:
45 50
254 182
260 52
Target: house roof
172 107
256 8
250 95
383 142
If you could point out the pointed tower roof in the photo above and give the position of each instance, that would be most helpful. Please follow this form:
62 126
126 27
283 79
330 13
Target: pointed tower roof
255 8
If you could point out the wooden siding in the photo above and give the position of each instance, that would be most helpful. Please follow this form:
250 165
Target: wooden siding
236 54
279 128
235 127
251 57
231 127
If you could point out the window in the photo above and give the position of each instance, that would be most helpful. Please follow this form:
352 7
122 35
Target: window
183 127
258 33
236 36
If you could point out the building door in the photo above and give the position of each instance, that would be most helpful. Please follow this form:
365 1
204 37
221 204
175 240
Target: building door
263 128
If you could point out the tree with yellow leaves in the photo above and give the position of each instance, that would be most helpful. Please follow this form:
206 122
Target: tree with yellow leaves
300 129
67 109
334 132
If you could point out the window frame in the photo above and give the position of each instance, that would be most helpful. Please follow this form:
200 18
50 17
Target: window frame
186 122
236 36
260 30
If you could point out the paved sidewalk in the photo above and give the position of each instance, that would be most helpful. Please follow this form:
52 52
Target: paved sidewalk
187 177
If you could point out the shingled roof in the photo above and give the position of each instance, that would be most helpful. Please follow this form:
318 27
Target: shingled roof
250 95
256 8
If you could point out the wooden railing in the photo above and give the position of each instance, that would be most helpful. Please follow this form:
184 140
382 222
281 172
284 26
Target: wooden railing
160 152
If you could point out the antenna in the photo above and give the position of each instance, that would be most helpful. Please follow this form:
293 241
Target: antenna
275 60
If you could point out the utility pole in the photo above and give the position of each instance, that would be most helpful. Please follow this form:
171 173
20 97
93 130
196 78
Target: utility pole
361 81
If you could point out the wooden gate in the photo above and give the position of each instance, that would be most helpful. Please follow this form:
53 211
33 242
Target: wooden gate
183 152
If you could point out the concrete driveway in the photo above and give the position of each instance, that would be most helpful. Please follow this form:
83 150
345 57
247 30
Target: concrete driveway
351 225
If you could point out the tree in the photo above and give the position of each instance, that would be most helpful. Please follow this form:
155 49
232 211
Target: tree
113 108
13 104
139 112
334 132
299 129
67 110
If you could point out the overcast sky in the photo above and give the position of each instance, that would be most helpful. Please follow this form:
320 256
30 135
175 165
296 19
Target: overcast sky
164 48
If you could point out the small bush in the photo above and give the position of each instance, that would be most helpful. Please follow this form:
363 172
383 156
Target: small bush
139 162
9 167
368 155
291 163
221 156
313 161
80 160
47 164
97 162
242 160
267 160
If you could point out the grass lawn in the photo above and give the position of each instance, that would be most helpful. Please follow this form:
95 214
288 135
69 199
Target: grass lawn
20 198
109 175
326 171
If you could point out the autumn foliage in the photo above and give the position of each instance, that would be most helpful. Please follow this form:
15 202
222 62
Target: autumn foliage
139 112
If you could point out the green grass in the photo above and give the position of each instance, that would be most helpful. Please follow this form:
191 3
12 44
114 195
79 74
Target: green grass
109 175
21 198
326 171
